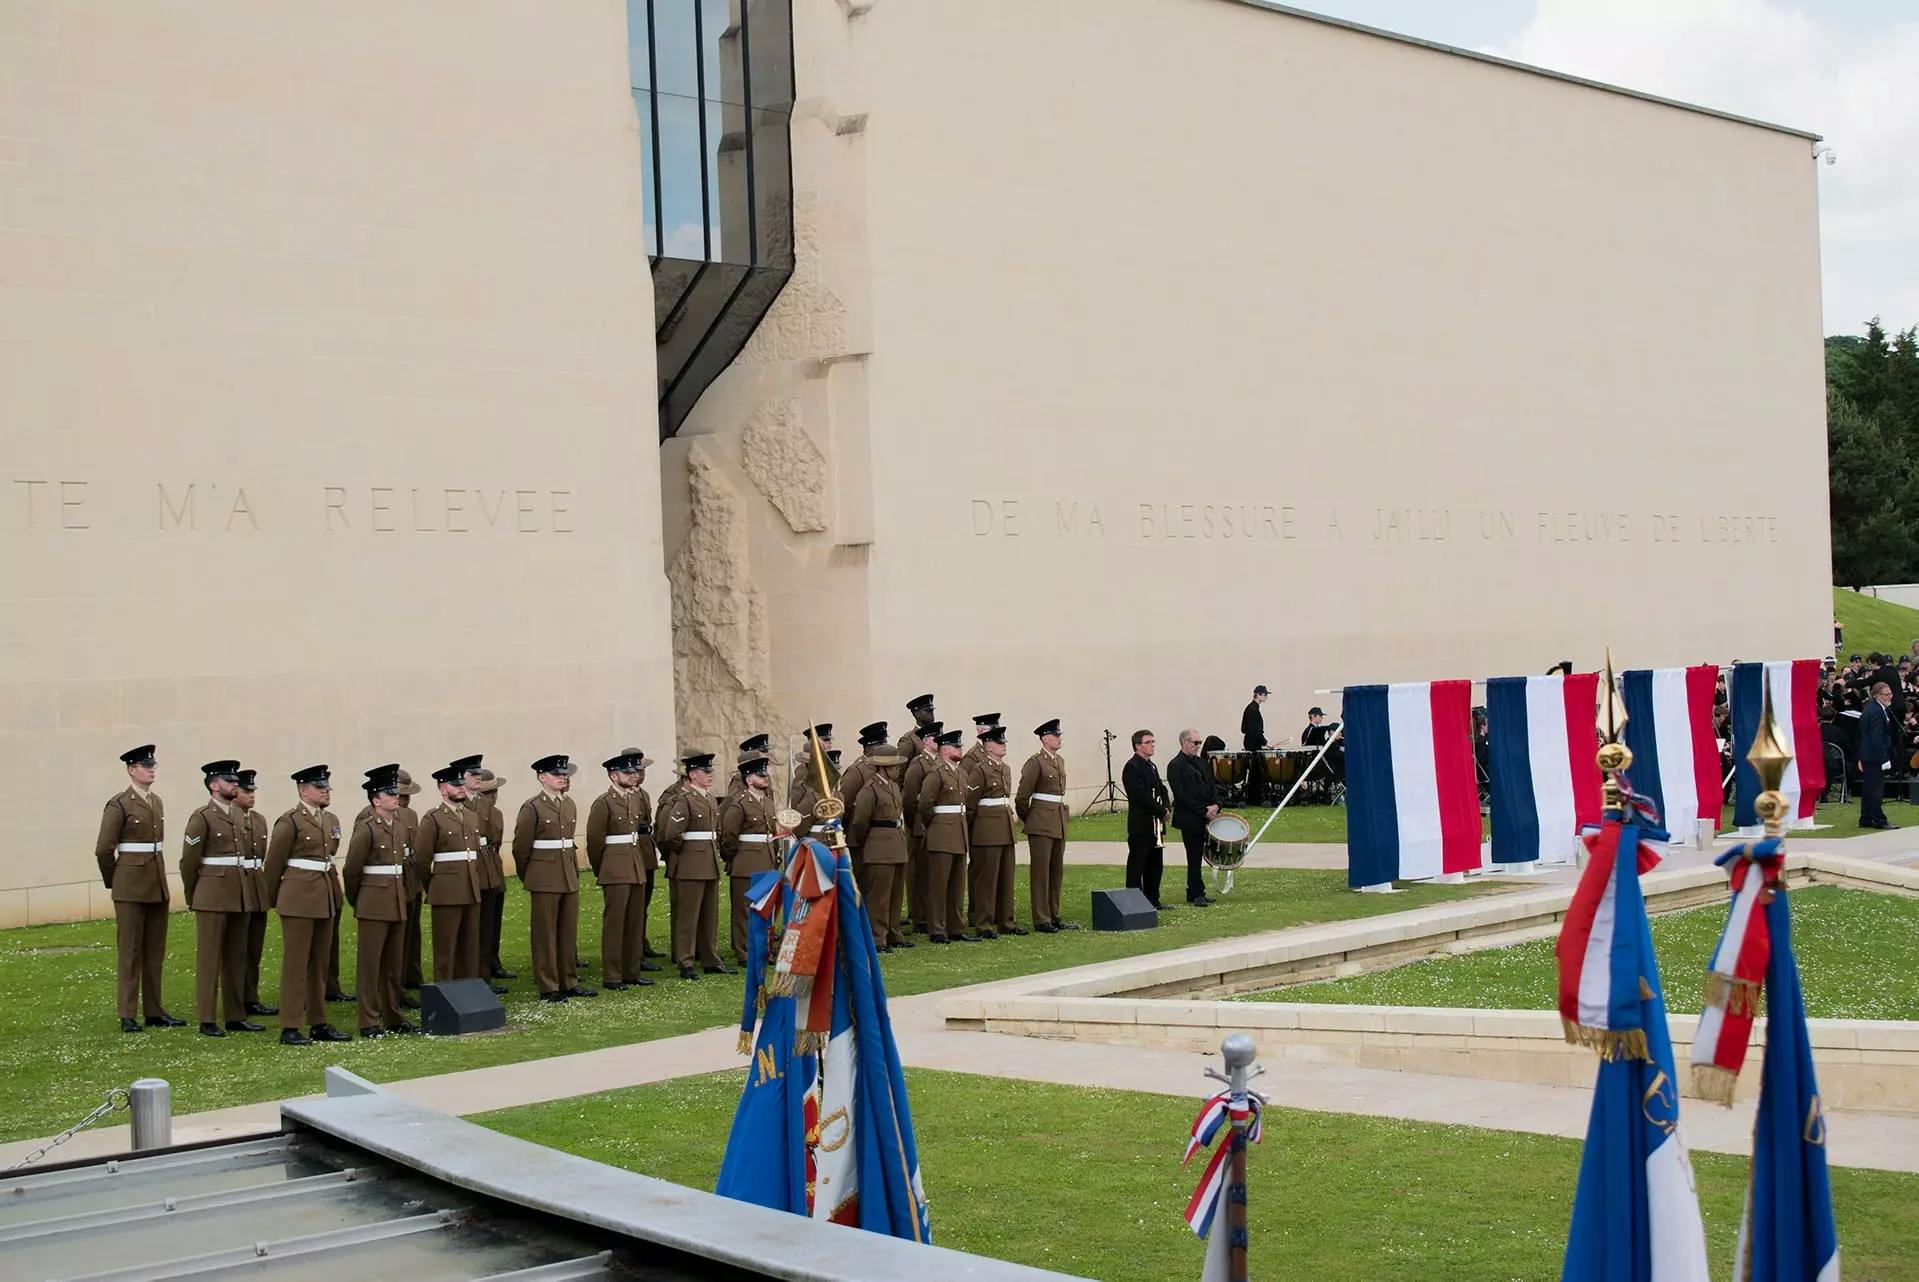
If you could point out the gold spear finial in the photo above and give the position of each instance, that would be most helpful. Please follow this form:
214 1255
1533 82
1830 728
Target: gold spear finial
1614 755
1770 756
824 777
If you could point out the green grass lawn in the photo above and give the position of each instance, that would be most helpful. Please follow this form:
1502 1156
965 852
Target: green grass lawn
61 1048
1871 624
1089 1182
1857 950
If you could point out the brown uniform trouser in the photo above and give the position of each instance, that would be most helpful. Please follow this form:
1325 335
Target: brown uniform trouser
946 894
256 947
918 888
333 990
991 891
410 975
622 932
305 943
556 941
219 965
882 893
456 942
1047 866
141 930
737 920
382 946
696 921
653 876
492 910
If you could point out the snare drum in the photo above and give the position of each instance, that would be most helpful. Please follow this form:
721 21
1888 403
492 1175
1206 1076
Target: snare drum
1230 768
1226 839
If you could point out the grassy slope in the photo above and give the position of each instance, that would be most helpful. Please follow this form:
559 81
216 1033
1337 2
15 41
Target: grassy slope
1871 624
1089 1182
61 1048
1856 949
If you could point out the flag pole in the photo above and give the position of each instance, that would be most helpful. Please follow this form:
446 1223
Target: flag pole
1237 1051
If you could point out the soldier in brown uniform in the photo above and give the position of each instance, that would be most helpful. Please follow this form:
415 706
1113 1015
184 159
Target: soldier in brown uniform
305 889
220 894
447 851
982 722
989 806
132 830
942 811
872 741
925 755
545 854
1041 802
253 864
616 822
688 837
649 853
482 785
415 877
376 860
748 830
876 824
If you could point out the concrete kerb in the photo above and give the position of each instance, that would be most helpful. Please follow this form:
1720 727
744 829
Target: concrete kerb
1869 1065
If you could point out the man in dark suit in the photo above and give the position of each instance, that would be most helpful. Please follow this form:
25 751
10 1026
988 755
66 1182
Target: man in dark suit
1195 802
1252 733
1147 806
1875 754
1883 669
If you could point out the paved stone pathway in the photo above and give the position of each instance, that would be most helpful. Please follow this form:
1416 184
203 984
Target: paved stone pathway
1879 1141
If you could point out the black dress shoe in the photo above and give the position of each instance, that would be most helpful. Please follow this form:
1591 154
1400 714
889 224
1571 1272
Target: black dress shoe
164 1020
328 1033
552 997
408 1003
131 1026
499 990
1046 929
1069 925
255 1008
244 1026
987 934
902 943
647 965
210 1029
939 939
687 972
718 970
966 939
370 1033
501 972
1014 930
577 991
341 997
293 1037
405 1028
614 986
882 948
640 983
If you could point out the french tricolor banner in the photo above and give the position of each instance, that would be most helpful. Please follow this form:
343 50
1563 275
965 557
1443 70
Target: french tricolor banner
1794 685
1675 756
1412 803
1545 776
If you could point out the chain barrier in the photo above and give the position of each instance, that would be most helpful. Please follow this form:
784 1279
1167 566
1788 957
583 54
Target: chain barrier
115 1101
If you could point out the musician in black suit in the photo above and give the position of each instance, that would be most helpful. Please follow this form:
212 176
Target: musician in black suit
1147 805
1318 730
1252 733
1875 754
1195 803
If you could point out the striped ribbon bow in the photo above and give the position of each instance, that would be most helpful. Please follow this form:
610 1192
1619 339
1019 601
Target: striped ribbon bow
1214 1114
1736 977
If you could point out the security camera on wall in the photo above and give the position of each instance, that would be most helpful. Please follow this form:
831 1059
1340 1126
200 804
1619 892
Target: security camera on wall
1820 151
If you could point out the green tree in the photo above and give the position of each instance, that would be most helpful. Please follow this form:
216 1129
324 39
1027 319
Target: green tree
1869 473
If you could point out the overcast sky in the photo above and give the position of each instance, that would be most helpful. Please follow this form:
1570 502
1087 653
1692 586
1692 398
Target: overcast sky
1846 69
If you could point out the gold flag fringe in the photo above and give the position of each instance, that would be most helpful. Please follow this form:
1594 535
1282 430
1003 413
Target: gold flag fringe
1738 996
1711 1082
1609 1044
745 1044
781 984
810 1043
759 1002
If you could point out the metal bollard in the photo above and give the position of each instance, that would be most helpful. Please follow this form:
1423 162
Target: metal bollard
150 1102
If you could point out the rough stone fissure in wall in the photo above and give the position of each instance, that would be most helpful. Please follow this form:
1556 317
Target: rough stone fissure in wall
781 459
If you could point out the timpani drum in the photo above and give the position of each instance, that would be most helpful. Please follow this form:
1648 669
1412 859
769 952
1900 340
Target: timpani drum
1281 766
1230 768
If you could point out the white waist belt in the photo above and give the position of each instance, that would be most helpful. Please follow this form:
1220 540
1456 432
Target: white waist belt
623 839
310 865
949 810
455 857
253 865
1049 796
554 843
382 870
696 836
996 801
220 861
758 837
137 848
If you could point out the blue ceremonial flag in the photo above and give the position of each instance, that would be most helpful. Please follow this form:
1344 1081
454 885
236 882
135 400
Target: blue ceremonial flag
1635 1213
1788 1234
823 1127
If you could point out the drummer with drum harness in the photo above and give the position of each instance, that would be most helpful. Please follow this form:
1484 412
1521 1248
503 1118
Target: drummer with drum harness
1195 804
